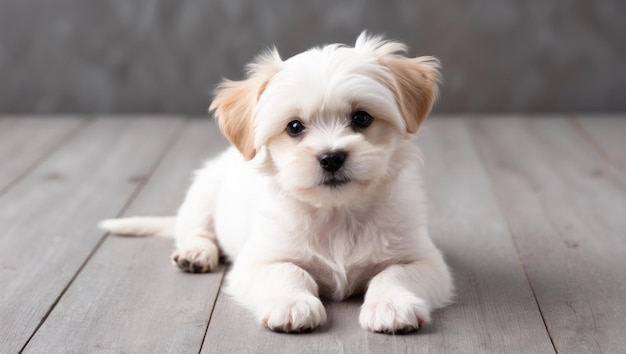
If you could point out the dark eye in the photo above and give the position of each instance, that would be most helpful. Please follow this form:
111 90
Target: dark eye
361 119
295 128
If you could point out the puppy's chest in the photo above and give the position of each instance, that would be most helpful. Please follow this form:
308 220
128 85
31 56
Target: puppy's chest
342 262
338 281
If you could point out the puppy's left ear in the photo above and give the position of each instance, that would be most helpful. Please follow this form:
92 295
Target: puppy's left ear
415 88
235 102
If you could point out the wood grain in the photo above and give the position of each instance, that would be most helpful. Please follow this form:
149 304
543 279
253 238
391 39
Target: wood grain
529 212
26 141
566 213
607 134
494 311
47 220
142 302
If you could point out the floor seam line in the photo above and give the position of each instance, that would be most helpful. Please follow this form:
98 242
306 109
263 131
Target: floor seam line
574 122
126 205
510 231
219 292
88 120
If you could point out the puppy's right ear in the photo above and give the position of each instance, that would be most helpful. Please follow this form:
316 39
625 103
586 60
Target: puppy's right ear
235 101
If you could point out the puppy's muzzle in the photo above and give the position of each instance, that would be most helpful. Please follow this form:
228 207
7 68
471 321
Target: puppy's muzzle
332 161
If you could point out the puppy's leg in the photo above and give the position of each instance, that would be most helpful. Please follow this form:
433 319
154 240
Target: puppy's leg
196 246
400 298
197 250
283 296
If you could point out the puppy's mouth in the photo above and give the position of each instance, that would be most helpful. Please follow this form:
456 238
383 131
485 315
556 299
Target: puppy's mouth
334 181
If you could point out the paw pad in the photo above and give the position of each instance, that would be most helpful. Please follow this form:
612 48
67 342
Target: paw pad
196 260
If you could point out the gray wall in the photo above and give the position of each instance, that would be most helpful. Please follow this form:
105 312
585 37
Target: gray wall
165 56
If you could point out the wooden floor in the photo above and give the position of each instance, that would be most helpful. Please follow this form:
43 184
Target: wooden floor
530 213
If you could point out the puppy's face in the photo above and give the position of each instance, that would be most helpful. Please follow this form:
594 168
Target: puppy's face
330 120
332 138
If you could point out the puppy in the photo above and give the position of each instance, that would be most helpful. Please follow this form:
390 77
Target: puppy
320 195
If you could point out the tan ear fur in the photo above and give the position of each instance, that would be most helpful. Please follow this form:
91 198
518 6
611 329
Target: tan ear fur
234 105
235 101
415 86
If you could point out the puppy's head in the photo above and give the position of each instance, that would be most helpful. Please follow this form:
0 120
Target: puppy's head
331 121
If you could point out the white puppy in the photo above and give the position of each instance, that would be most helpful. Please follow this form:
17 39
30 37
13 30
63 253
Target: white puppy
321 194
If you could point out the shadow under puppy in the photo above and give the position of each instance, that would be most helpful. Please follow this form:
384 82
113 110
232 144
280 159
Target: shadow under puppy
320 195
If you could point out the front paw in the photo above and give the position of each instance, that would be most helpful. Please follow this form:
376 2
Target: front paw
401 314
292 314
199 258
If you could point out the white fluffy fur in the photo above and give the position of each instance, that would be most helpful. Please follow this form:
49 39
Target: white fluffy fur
293 240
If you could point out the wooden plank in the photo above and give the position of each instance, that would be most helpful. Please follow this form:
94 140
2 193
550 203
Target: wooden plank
129 298
494 311
469 227
566 212
48 220
607 133
27 141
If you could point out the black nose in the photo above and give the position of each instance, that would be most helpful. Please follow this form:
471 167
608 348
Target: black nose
332 161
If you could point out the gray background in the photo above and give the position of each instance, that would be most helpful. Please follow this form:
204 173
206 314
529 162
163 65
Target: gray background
149 56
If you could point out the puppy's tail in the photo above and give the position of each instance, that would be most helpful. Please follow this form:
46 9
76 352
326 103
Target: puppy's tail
141 226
